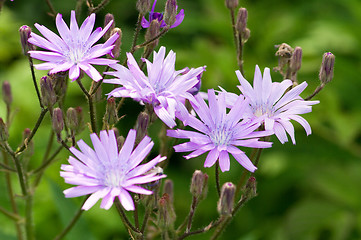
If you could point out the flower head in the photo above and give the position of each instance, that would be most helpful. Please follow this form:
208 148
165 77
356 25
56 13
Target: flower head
164 88
73 50
220 132
107 173
159 16
271 101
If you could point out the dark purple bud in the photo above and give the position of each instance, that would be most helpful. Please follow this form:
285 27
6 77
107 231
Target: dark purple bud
241 22
170 12
231 4
7 96
118 42
143 6
226 200
25 32
107 19
199 184
296 60
72 119
142 126
47 92
4 134
326 71
58 122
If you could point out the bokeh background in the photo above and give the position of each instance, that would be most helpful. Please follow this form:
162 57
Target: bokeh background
311 190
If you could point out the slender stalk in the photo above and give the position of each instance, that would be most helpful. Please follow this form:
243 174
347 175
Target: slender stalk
29 225
217 179
124 218
34 80
37 125
91 106
99 7
136 33
12 198
11 215
318 89
191 214
7 168
148 211
164 31
136 219
202 230
73 221
51 8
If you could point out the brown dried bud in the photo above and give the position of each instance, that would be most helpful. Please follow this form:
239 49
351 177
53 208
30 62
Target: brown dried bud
58 122
4 134
47 92
296 60
7 96
25 32
142 126
170 12
111 113
326 71
152 32
143 6
199 184
72 119
118 42
107 19
231 4
241 23
226 200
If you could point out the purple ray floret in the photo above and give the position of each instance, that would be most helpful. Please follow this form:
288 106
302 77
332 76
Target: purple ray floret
73 50
275 103
220 133
107 173
159 16
164 88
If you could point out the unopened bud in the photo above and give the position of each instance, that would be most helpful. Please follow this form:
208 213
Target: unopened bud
250 190
166 212
7 96
143 6
170 12
118 42
47 92
58 122
107 19
246 34
199 184
79 114
120 142
296 60
326 71
4 134
168 188
226 200
241 23
111 113
231 4
152 32
25 32
142 126
72 119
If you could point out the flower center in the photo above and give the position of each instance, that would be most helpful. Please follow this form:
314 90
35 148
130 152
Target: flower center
221 136
263 109
114 176
76 51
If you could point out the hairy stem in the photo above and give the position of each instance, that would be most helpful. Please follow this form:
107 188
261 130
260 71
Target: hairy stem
217 179
317 90
51 8
91 107
34 81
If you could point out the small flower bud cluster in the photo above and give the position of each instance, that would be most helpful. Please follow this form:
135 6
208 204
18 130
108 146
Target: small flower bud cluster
327 65
226 200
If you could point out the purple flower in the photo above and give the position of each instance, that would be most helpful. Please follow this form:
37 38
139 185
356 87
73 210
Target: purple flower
219 132
159 16
74 49
164 88
106 173
273 102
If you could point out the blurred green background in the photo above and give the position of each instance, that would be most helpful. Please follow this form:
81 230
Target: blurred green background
311 190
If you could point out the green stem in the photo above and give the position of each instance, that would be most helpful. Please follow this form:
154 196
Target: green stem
91 107
10 215
191 214
124 218
318 89
136 34
29 225
51 8
34 80
164 31
99 7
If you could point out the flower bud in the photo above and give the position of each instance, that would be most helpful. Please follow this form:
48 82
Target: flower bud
111 113
168 188
58 122
7 96
25 32
142 126
326 71
166 212
231 4
170 12
58 81
120 142
246 34
199 184
152 32
250 190
107 19
241 22
4 134
118 42
296 60
226 200
80 117
72 119
47 92
143 6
